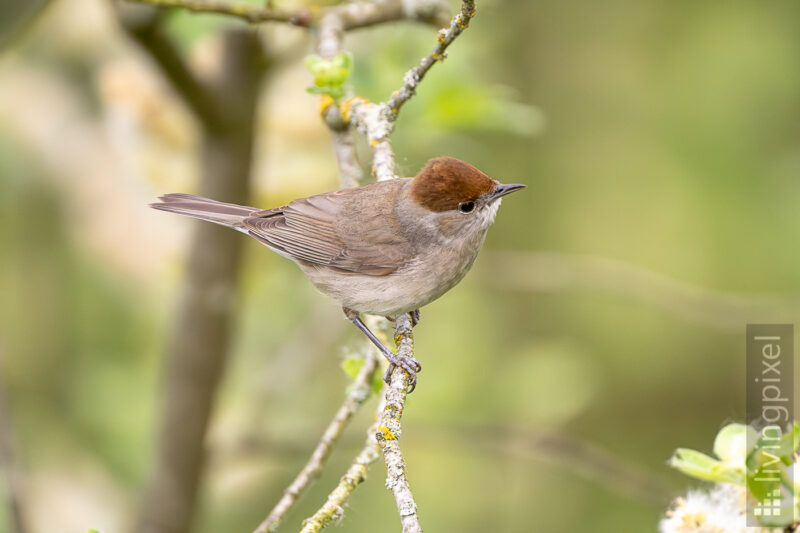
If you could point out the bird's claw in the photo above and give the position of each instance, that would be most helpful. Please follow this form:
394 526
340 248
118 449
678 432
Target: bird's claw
410 365
413 314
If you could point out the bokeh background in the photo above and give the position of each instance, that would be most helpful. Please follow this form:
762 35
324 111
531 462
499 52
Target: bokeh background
601 328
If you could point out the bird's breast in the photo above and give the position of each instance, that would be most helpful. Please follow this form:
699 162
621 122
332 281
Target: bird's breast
421 280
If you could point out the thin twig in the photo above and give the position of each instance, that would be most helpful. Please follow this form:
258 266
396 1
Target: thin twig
248 12
376 121
445 36
357 395
549 272
333 508
390 429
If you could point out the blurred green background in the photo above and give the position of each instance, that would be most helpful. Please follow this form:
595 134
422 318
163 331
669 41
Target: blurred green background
602 326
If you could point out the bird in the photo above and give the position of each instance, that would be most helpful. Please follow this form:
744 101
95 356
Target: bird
385 248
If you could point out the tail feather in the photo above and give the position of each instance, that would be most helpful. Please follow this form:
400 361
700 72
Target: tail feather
230 215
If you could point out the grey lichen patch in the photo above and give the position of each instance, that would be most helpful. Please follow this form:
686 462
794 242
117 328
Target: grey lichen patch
406 508
394 426
370 119
338 513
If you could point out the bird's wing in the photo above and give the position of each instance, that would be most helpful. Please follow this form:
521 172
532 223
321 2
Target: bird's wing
314 230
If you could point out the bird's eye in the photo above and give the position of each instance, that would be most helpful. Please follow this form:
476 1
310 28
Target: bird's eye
466 207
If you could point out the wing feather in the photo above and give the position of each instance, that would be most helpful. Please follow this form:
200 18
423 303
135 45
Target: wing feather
311 230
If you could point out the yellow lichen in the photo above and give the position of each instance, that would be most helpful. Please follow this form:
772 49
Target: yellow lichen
386 433
325 102
347 105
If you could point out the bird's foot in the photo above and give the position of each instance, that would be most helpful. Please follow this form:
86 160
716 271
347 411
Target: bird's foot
409 364
413 314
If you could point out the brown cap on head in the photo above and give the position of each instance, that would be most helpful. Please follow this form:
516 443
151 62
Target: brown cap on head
445 182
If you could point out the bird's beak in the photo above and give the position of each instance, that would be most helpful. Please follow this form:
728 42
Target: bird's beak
503 189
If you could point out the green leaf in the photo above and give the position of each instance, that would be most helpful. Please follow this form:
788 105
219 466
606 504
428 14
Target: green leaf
701 466
352 365
731 443
311 62
330 76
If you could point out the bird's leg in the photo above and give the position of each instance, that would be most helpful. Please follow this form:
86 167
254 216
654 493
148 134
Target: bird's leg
413 314
409 364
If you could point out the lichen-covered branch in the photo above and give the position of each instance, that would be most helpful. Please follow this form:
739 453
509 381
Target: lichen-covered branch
249 12
390 429
333 508
444 38
331 28
356 396
362 14
376 121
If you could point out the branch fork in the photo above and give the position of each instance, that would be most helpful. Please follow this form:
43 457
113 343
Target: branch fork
376 122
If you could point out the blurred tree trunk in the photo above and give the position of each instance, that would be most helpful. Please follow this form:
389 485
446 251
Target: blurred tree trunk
9 470
201 338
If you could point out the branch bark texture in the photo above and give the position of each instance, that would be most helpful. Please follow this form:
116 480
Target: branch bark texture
333 508
390 430
357 395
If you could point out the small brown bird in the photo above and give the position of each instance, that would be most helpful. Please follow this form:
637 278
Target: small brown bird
386 248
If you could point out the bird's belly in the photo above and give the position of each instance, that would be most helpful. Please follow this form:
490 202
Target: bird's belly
412 286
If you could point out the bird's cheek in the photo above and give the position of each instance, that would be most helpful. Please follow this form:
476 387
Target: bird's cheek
452 226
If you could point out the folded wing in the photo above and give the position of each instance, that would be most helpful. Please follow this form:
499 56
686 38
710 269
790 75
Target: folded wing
312 230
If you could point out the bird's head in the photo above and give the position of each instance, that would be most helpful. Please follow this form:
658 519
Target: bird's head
461 196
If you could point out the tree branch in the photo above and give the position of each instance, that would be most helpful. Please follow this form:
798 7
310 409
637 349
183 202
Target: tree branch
358 394
390 429
549 272
248 12
445 37
329 43
376 121
147 31
356 15
353 15
332 509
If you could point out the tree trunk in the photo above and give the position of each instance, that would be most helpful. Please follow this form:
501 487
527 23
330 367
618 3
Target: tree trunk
201 338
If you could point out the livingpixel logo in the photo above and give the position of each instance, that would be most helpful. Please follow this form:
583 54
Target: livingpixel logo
770 411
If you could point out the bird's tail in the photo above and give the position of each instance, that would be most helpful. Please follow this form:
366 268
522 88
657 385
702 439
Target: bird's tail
230 215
